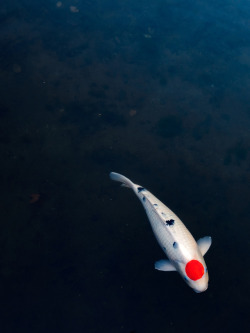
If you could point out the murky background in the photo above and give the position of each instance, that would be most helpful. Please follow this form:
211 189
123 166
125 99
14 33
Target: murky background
156 90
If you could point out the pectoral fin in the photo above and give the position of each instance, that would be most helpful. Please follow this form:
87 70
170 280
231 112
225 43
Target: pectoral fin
164 265
204 244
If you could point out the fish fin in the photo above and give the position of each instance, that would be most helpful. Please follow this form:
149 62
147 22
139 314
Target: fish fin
125 185
164 265
122 179
204 244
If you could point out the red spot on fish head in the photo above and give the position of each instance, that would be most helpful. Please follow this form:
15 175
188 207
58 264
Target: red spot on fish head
194 270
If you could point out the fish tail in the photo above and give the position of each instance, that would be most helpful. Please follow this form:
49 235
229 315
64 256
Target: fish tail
122 179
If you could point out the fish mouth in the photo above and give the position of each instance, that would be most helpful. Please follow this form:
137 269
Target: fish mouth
198 291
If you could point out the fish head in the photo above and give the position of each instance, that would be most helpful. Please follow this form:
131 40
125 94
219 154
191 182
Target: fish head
195 274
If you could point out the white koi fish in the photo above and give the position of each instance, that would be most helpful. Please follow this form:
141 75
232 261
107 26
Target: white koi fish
184 253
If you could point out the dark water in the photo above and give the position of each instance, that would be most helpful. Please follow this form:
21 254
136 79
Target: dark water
157 90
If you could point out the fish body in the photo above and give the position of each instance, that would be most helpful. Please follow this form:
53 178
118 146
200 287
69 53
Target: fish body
185 255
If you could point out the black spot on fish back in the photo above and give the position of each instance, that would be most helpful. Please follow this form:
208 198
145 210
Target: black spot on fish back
139 189
170 222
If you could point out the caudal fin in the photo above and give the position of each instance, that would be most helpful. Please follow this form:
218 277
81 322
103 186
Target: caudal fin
122 179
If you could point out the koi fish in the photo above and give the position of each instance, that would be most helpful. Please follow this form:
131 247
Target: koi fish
185 255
